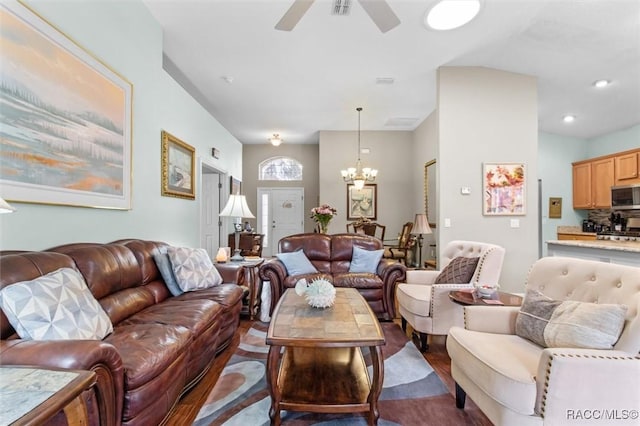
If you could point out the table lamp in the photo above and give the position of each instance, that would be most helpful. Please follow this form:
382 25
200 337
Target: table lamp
420 227
237 207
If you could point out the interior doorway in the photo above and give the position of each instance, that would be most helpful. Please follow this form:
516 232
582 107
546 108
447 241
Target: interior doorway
280 213
211 195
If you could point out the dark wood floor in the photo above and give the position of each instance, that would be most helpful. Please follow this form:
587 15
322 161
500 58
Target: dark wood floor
188 407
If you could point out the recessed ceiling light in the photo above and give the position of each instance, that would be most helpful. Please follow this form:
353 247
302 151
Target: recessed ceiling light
601 83
569 118
450 14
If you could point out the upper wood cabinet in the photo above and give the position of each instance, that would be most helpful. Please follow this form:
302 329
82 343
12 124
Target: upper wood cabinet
593 179
627 168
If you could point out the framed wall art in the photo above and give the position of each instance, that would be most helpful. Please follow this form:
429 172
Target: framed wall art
178 166
503 189
235 186
66 118
362 203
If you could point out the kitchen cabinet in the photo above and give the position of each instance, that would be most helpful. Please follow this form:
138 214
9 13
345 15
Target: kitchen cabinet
592 182
576 237
627 168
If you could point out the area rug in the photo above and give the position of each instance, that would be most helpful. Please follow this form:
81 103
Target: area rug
412 392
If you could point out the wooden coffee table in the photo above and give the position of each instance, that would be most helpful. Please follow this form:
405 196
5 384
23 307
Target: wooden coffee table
500 298
322 369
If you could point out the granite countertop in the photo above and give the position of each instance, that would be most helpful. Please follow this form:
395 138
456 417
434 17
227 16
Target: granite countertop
574 230
629 246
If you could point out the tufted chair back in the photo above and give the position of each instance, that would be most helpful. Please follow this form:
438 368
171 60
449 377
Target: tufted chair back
489 265
563 278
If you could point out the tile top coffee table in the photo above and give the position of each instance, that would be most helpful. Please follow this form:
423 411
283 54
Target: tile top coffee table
471 297
322 369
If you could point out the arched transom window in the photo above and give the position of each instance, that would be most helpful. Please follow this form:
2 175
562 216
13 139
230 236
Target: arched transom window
280 168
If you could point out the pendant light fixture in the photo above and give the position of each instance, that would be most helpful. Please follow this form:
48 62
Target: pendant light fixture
358 175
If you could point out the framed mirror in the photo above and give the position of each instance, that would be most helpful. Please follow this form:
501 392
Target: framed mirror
430 192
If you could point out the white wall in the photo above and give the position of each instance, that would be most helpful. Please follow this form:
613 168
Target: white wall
390 154
487 116
125 36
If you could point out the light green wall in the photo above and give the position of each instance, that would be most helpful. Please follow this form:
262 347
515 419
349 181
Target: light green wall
124 35
555 155
622 140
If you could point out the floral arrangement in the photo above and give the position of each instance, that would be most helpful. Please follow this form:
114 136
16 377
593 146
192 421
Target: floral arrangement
319 294
323 215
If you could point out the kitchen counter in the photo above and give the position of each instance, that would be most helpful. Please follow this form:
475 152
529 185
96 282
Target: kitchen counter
621 252
574 230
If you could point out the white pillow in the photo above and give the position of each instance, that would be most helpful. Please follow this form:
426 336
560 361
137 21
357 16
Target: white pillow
56 306
193 269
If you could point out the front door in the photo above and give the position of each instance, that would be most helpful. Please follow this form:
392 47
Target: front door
280 213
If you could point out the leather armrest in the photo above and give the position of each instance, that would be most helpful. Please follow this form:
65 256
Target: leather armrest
491 319
231 273
608 380
391 272
274 271
94 355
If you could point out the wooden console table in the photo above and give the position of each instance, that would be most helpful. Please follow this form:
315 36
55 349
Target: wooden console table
33 395
322 369
249 268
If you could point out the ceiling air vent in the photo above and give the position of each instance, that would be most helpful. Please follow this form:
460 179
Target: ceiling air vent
385 80
341 7
401 122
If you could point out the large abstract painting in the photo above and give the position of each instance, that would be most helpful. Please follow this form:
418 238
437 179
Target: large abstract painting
504 189
65 118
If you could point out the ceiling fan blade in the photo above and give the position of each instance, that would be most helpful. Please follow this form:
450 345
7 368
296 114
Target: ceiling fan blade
293 15
381 14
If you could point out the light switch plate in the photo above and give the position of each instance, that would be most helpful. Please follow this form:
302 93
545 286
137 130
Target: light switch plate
515 223
465 190
447 222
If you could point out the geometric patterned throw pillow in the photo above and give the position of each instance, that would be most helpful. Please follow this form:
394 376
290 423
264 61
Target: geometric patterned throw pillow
193 268
56 306
459 271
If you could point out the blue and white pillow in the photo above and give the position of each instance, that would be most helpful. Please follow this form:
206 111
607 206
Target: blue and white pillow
365 260
297 263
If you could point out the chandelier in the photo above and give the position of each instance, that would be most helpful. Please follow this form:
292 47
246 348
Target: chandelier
359 175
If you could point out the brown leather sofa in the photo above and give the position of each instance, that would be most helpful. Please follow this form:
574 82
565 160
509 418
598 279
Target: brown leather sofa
331 256
160 345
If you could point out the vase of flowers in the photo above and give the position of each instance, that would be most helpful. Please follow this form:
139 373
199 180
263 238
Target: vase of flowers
323 215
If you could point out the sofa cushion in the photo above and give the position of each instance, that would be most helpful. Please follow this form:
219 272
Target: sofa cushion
296 263
569 324
416 298
166 270
365 260
459 271
193 269
56 306
506 364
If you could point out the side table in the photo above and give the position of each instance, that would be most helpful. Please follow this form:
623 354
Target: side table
33 395
249 267
470 297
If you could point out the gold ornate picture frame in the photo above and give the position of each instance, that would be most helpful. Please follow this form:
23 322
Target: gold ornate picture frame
178 168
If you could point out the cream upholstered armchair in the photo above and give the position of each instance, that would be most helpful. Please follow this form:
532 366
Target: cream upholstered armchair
564 381
423 301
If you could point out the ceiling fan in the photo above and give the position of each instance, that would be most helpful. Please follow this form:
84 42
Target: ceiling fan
378 10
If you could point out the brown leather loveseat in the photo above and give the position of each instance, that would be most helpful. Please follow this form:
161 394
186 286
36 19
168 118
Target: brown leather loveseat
331 256
160 346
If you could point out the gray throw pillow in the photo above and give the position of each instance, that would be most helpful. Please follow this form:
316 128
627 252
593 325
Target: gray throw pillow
164 266
569 324
459 271
296 263
365 260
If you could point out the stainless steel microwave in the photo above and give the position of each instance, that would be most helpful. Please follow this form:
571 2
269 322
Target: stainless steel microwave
625 197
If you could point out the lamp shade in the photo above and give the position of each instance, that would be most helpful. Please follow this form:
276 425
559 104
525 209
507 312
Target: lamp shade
421 224
6 207
237 207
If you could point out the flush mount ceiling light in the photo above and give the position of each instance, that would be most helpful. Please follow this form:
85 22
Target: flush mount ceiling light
358 175
601 83
569 118
275 140
450 14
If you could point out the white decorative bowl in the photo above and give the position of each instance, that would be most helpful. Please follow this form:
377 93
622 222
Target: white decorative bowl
486 291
